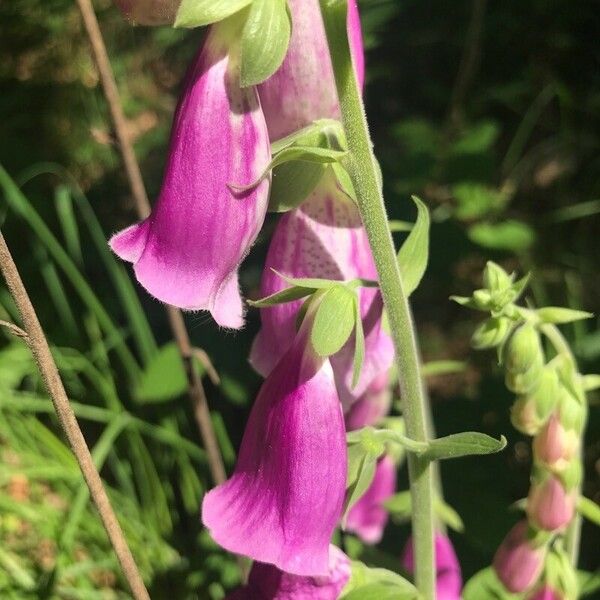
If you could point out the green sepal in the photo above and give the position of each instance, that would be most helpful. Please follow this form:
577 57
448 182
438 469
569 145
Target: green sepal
197 13
559 315
414 252
288 295
292 183
590 382
495 278
265 40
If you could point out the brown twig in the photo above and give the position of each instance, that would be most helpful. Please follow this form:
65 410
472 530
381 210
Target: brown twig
138 191
38 344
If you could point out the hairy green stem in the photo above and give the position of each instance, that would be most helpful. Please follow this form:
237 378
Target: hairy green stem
363 169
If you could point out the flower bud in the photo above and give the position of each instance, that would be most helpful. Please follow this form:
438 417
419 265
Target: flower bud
530 412
519 561
495 278
572 412
523 351
482 299
491 333
549 506
554 446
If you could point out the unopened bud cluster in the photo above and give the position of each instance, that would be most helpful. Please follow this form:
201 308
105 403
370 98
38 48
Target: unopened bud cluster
550 406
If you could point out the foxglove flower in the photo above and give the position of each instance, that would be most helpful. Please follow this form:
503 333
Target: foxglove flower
368 517
188 251
267 582
448 578
303 89
518 562
285 496
323 238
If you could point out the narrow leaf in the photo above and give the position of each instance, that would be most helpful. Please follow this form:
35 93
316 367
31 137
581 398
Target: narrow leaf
448 515
364 477
463 444
414 253
591 382
196 13
265 40
308 282
288 295
443 367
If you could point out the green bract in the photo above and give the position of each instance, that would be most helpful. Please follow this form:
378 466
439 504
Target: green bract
265 40
414 252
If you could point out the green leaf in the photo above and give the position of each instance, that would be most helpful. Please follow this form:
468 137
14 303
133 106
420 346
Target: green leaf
334 320
485 584
164 377
265 40
589 509
196 13
508 235
475 201
365 471
288 295
363 577
414 253
442 367
359 343
343 179
400 226
463 444
308 282
322 133
379 591
557 314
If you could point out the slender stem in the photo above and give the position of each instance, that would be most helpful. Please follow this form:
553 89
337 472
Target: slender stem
196 391
363 170
41 352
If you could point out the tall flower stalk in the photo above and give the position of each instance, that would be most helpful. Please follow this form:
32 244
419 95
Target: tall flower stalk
363 170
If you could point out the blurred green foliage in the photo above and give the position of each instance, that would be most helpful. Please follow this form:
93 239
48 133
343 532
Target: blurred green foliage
488 111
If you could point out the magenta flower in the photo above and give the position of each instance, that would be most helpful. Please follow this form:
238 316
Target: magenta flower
285 496
187 253
448 578
518 563
267 582
303 88
368 518
549 505
323 238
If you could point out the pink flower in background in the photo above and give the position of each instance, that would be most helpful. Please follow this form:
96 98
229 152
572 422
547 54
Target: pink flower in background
267 582
368 518
448 578
187 253
285 496
372 406
518 562
323 238
303 89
